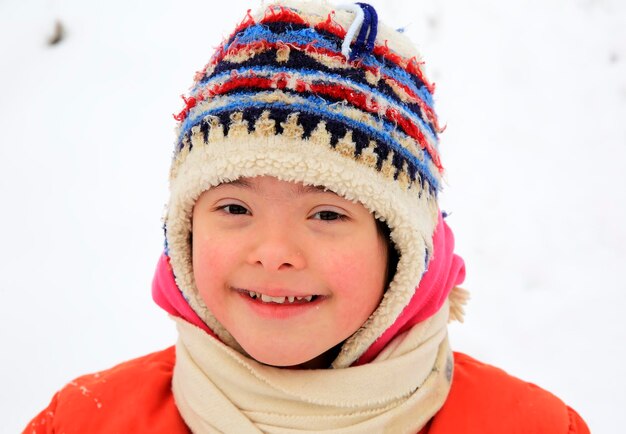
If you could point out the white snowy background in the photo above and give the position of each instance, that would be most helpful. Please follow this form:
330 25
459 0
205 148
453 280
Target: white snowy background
533 93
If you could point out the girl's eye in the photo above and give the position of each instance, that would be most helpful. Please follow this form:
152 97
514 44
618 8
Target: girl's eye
234 209
328 215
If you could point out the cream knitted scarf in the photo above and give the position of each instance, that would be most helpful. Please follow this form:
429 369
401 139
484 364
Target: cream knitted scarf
217 389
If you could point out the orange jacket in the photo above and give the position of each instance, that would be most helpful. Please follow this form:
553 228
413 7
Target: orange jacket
136 397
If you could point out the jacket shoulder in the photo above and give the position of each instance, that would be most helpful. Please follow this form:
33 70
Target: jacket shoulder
485 399
134 396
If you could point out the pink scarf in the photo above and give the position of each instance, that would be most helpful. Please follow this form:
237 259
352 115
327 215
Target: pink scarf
445 271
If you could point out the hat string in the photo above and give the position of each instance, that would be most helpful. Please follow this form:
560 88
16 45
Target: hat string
367 20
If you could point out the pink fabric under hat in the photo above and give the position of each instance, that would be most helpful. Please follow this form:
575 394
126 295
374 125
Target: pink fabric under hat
166 294
445 271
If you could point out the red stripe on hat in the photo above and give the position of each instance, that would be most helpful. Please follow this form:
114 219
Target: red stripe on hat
412 66
244 24
279 13
189 104
331 26
263 45
413 130
357 99
285 15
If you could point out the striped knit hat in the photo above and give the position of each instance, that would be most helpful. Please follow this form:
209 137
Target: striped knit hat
312 93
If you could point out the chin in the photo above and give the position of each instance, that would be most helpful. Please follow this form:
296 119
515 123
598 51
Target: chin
292 358
272 358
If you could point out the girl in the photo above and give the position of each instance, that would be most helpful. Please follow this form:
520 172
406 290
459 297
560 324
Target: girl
307 266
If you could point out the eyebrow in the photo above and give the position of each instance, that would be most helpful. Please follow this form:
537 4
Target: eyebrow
299 188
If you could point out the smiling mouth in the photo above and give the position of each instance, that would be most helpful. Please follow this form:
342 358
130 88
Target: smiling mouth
291 299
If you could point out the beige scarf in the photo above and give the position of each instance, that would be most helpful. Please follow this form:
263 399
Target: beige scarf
217 389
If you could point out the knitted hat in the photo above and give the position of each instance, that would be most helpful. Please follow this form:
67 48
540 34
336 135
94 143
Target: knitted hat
312 93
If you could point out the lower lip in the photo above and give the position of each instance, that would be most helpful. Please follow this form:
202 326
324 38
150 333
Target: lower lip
278 310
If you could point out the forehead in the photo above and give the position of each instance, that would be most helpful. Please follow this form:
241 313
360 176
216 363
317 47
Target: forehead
264 184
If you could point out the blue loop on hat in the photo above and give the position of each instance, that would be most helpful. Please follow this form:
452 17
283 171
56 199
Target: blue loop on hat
373 27
367 34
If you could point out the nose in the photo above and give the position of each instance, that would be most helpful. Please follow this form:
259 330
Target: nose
276 248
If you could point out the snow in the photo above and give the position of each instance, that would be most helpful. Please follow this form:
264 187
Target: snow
533 94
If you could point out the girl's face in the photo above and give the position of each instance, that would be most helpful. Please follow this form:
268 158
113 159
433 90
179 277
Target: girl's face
289 270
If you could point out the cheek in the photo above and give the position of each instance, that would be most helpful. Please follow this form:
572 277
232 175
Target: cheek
358 277
211 261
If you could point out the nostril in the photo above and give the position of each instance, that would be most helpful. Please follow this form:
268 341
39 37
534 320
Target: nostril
277 256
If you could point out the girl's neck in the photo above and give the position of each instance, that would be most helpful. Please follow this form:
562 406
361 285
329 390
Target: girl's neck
322 361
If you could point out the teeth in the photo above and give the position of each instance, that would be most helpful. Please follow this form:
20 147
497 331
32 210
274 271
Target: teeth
307 298
279 300
267 299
